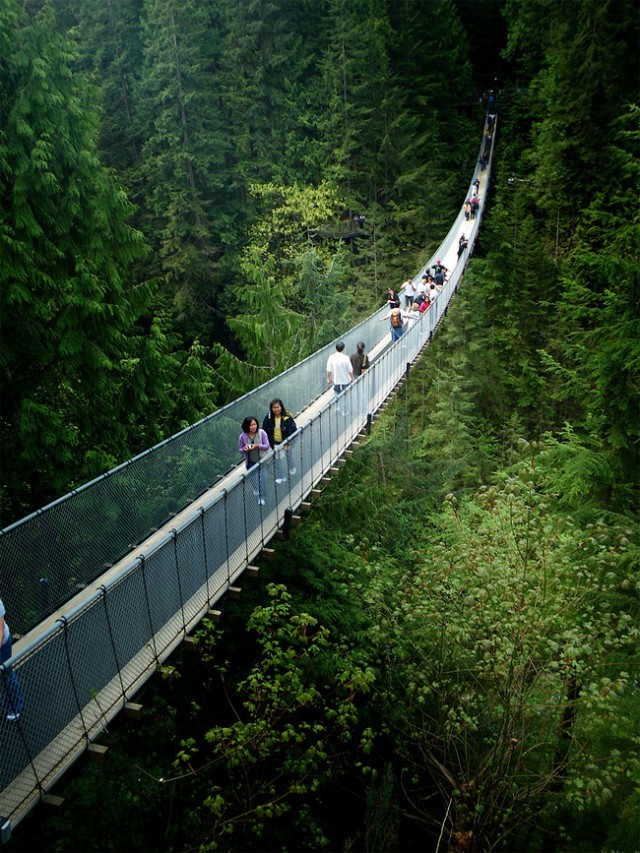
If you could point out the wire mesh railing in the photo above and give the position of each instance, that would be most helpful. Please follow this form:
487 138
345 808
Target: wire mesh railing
78 672
51 554
48 556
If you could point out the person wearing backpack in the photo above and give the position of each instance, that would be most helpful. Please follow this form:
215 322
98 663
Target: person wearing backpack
396 318
360 363
359 360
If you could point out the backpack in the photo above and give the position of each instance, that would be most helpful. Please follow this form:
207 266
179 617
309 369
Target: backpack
396 318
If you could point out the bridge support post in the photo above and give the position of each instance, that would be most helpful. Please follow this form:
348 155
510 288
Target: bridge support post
46 601
5 831
286 527
97 752
133 710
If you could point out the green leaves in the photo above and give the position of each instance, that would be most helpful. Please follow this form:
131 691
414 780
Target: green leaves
506 645
82 354
292 735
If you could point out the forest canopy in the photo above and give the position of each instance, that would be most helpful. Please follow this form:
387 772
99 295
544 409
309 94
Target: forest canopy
148 148
458 661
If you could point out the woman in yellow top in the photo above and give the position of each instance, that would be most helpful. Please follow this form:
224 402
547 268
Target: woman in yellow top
279 425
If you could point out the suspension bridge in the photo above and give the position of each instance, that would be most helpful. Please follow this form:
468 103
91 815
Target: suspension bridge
105 583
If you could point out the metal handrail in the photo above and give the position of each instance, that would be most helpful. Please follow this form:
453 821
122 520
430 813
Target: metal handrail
77 673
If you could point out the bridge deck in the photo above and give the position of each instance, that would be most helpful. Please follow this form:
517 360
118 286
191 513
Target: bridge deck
81 664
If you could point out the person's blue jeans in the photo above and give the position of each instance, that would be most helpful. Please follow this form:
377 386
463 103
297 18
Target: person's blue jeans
396 332
13 697
337 390
284 463
257 479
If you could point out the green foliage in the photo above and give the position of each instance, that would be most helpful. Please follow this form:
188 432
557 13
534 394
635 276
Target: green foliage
268 90
567 332
292 298
580 89
109 43
508 641
598 308
184 149
89 374
67 247
266 354
293 734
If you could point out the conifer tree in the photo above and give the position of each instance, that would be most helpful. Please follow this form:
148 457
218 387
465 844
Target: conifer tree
577 92
430 53
79 371
585 170
293 297
365 129
182 170
268 70
109 46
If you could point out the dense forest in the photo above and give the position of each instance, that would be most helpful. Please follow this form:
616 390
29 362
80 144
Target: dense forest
455 665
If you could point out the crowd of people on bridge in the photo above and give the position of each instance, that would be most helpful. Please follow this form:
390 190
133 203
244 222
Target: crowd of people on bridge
406 305
418 297
255 441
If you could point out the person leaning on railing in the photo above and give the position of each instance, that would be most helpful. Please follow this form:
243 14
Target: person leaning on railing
13 698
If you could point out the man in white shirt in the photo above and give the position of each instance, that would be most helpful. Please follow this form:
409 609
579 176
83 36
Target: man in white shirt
409 291
339 369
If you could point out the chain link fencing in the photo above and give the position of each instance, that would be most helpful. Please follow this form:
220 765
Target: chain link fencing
76 674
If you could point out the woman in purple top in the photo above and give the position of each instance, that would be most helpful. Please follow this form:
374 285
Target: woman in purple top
251 442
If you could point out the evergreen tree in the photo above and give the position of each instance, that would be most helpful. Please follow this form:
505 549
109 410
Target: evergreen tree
268 71
585 184
293 298
577 93
373 145
109 47
597 351
79 371
183 190
431 59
